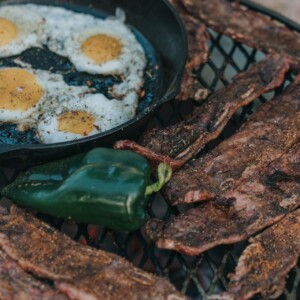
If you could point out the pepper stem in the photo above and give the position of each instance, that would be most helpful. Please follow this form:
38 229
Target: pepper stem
164 174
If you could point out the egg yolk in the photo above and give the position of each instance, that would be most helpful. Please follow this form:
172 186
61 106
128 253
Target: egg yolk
19 89
101 48
8 31
78 122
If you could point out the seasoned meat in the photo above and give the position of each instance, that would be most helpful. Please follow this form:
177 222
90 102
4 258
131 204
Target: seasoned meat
267 134
186 138
247 26
198 38
19 285
264 264
259 199
78 271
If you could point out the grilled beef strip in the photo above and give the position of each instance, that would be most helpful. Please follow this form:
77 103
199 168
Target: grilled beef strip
185 139
247 26
78 271
264 264
198 39
19 285
266 135
259 199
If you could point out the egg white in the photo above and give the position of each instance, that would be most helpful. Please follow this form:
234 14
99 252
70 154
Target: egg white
131 63
115 29
57 28
30 28
108 114
55 92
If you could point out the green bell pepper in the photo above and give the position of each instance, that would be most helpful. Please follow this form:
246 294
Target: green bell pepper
104 186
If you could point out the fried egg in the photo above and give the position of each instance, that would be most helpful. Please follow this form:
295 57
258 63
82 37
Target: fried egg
25 94
106 47
20 29
78 119
110 49
101 46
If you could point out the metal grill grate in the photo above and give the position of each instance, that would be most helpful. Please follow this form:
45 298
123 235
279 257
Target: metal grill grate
200 276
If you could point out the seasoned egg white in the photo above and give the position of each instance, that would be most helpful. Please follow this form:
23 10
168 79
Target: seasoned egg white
96 46
82 38
26 94
20 29
101 114
129 61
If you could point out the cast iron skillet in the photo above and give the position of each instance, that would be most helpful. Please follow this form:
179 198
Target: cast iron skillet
161 26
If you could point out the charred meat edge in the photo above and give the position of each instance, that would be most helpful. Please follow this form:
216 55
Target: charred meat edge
17 284
265 263
259 199
198 39
78 271
266 135
248 27
178 143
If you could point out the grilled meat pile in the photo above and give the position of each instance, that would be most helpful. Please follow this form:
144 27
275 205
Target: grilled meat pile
247 26
266 135
264 264
247 184
35 250
185 139
257 200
